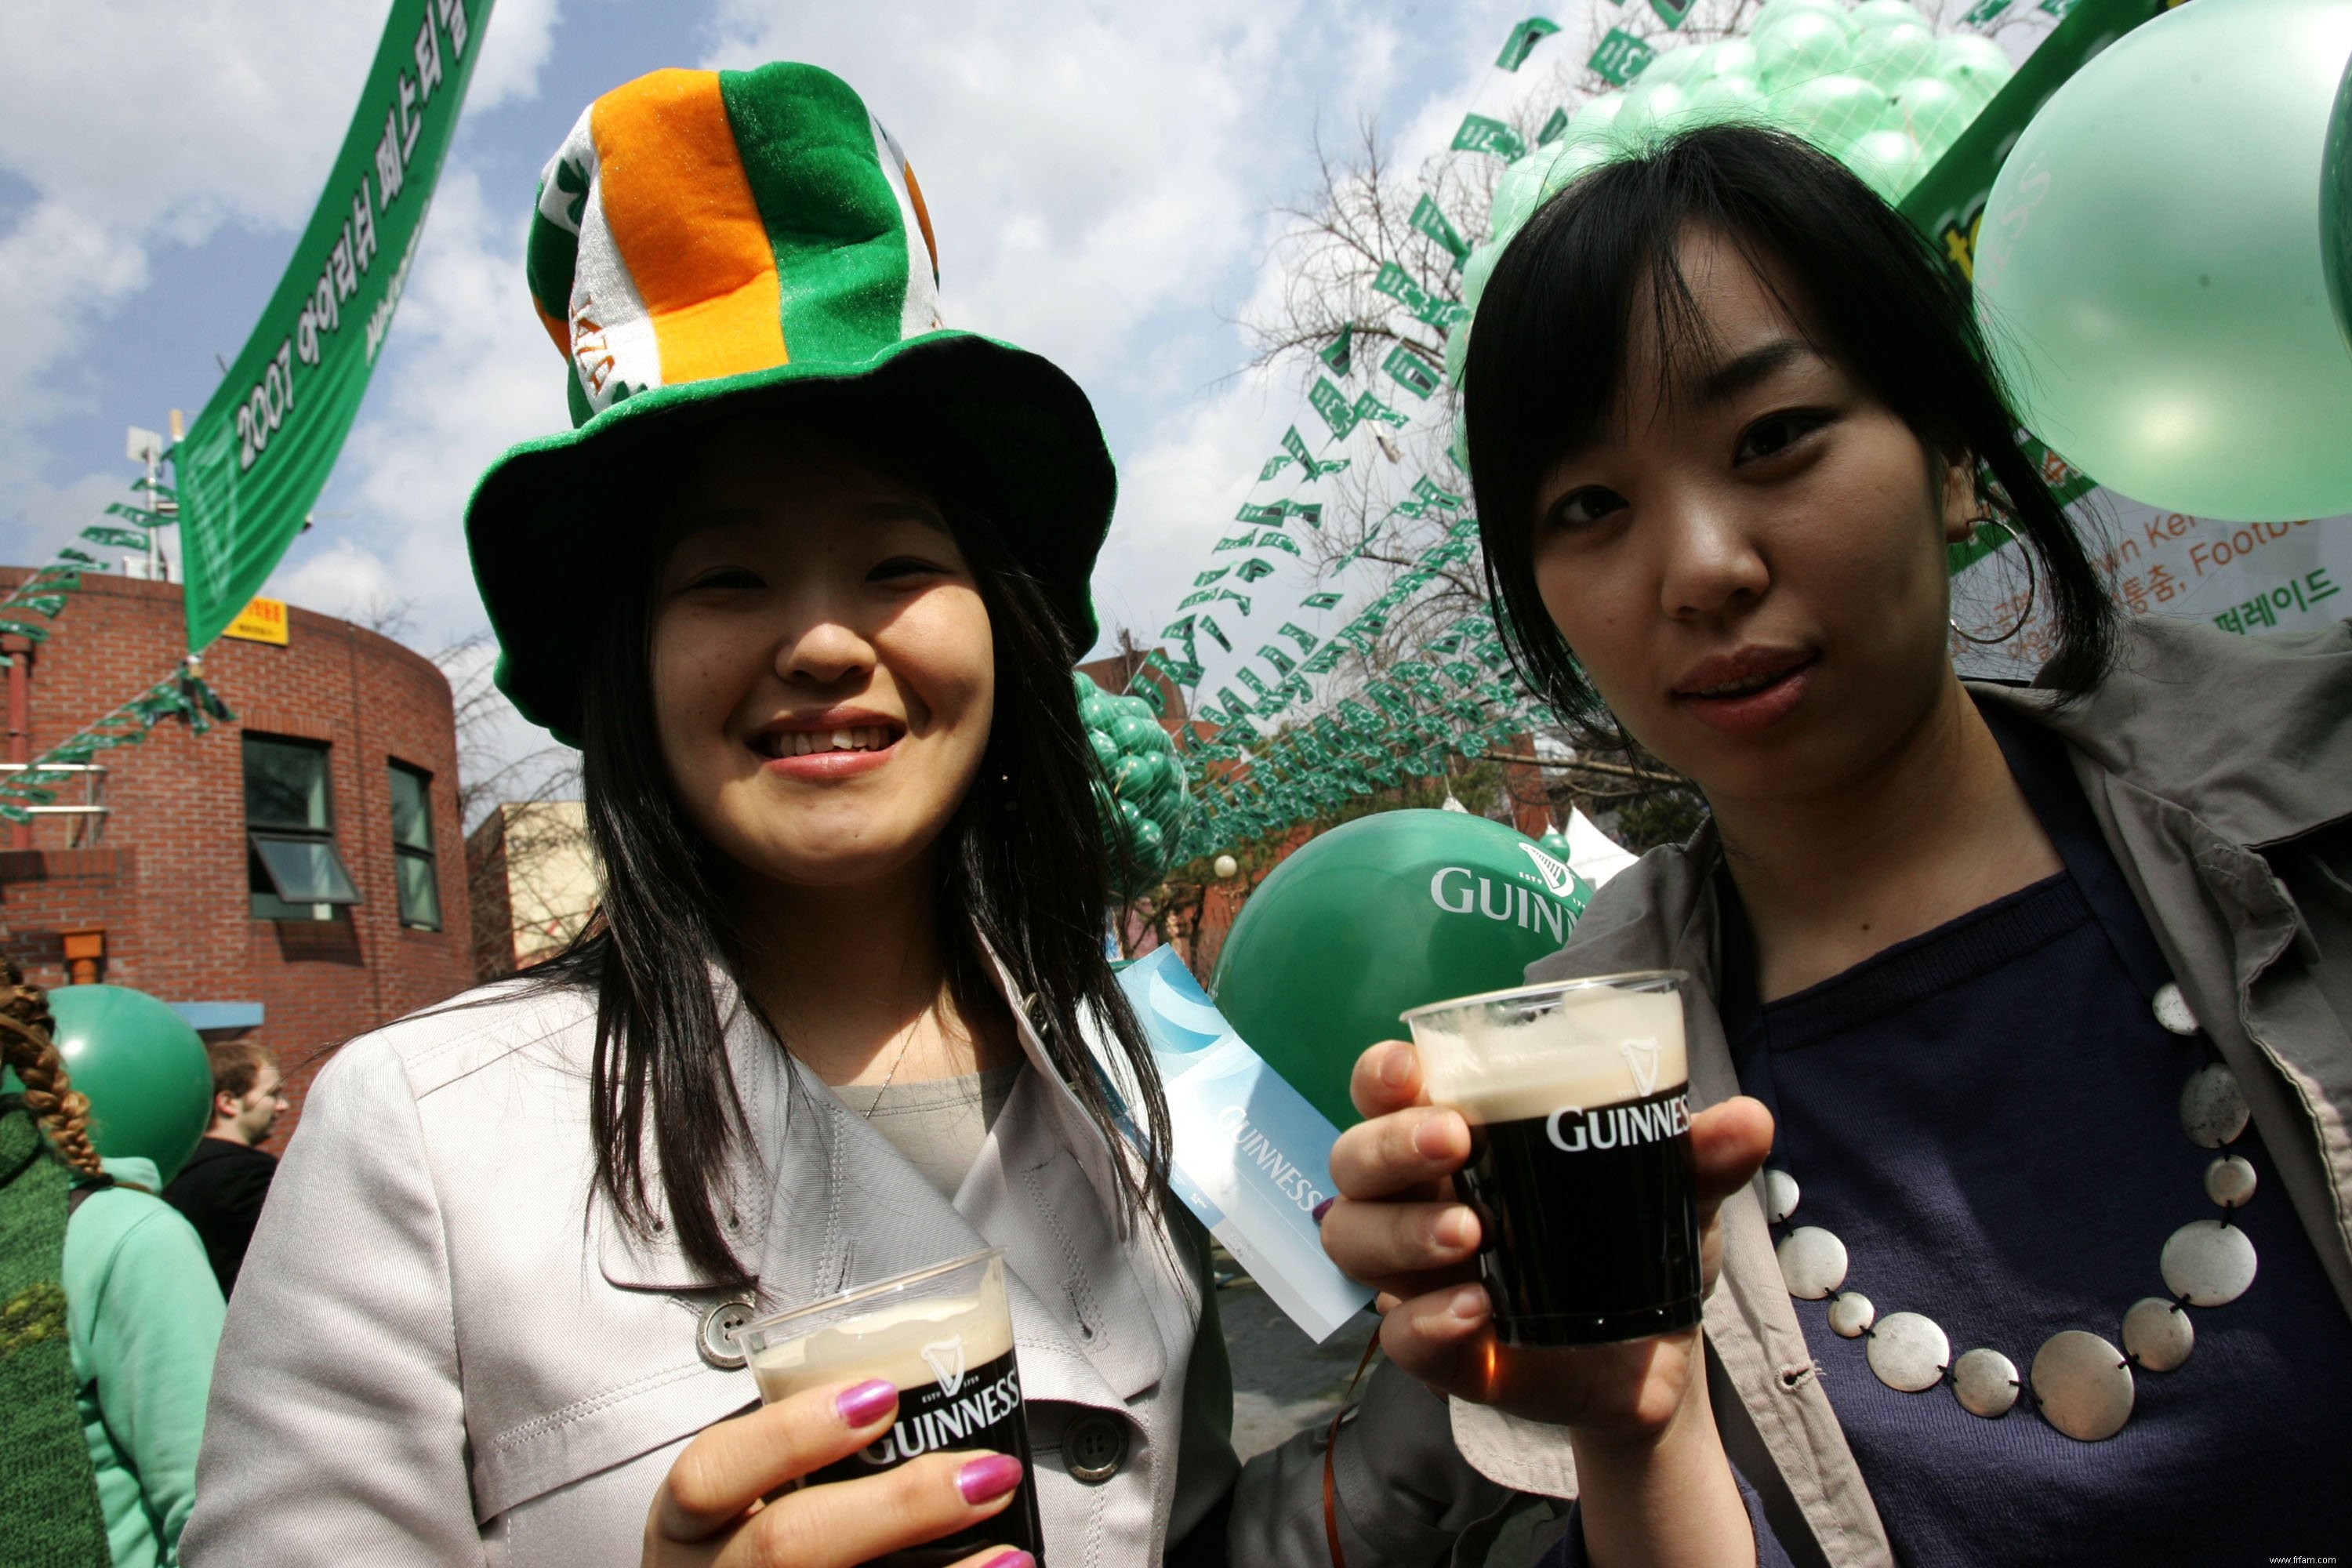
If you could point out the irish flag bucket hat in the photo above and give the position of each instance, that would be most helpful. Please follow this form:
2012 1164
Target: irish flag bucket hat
711 243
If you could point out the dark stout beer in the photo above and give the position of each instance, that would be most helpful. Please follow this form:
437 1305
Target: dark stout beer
950 1357
1580 1154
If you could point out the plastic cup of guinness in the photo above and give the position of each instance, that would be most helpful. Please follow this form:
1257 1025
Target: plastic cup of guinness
943 1336
1581 1172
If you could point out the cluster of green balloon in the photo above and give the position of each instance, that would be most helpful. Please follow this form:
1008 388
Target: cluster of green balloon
1390 912
2159 295
1875 87
1141 797
144 1069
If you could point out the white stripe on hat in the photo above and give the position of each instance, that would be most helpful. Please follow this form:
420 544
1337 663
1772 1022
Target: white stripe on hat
613 340
920 312
579 151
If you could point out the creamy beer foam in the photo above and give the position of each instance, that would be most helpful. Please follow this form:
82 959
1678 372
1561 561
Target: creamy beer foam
1600 1045
889 1343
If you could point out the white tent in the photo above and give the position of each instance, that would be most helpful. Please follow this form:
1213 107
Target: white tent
1593 854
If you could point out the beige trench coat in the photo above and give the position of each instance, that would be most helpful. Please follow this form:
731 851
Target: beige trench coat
443 1352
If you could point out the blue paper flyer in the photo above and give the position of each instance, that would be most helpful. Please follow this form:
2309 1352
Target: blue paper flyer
1252 1158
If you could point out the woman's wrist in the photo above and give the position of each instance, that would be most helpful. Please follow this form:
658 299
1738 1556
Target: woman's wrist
1663 1496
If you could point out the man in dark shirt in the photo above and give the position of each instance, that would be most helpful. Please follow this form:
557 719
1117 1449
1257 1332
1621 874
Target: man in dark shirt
222 1186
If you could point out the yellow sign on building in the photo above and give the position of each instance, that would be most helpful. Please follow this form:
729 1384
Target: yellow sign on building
263 620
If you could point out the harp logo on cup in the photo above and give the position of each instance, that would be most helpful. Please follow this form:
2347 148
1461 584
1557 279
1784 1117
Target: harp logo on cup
945 1358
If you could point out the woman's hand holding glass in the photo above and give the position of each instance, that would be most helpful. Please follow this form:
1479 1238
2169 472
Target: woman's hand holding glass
1398 1227
722 1503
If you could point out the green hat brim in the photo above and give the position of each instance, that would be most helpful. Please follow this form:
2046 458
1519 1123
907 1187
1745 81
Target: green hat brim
537 525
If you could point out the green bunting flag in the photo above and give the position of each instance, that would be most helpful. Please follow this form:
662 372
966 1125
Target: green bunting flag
1339 352
1203 579
1270 540
1430 219
1251 569
1274 465
1236 542
1671 12
1209 625
1324 601
1305 639
1523 40
1332 404
1553 129
1480 134
1309 513
1427 490
1256 513
1621 57
1371 407
258 454
1396 283
120 537
1412 372
1282 661
139 515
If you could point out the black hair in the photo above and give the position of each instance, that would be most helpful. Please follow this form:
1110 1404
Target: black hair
1029 877
1548 358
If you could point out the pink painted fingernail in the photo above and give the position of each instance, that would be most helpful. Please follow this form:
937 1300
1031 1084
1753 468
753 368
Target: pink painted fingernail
985 1480
1011 1560
863 1403
1320 1210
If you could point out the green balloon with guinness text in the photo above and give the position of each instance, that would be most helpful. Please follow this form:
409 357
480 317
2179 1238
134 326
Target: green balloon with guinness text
1387 912
142 1066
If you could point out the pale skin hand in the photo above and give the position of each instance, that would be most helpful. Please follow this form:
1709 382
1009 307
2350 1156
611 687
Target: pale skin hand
1656 1486
711 1508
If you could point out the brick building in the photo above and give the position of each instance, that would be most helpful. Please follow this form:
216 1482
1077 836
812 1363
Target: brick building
295 876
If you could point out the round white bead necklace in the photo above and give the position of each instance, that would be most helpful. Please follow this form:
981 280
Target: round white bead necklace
2081 1383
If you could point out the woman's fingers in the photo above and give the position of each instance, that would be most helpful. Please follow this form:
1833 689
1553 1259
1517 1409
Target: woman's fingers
1386 1078
1444 1339
1730 1144
734 1464
848 1522
1400 1152
1397 1245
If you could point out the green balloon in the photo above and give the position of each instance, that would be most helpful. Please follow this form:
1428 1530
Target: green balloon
2156 294
1387 912
1592 121
1478 269
1775 12
1680 63
1732 56
1722 98
144 1069
1888 160
1934 112
1653 110
2335 204
1580 159
1975 64
1833 112
1891 56
1800 49
1873 15
1519 191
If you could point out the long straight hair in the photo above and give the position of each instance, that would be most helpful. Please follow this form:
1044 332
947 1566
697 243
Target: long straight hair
1023 869
1548 358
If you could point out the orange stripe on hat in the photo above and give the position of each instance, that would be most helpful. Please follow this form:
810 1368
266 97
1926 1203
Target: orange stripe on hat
922 216
678 204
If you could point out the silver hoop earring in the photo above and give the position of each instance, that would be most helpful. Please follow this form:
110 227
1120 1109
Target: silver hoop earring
2032 590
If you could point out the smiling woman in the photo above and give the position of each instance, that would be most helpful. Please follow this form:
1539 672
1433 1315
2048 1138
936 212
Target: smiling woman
2016 989
844 1011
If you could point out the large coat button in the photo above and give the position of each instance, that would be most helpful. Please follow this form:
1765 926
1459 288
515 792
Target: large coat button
716 1339
1094 1448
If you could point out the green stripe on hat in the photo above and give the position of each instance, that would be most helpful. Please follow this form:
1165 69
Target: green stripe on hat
808 147
550 257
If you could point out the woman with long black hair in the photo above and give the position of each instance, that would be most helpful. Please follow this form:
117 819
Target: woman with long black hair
2021 1013
806 585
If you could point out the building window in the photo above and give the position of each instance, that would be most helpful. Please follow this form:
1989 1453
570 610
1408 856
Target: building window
292 867
412 847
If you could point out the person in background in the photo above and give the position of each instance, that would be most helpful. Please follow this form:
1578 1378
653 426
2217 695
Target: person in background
222 1186
109 1324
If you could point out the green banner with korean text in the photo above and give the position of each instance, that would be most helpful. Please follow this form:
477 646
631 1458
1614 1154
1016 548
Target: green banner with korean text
257 457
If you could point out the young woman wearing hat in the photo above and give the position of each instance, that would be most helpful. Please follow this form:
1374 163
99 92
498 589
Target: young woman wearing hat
2036 999
804 586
